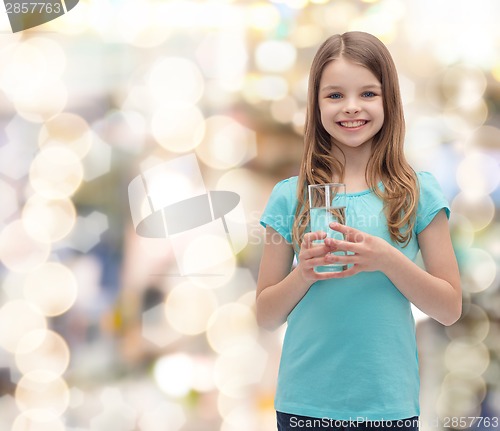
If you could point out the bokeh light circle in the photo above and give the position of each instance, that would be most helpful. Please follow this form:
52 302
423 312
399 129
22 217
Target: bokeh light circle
270 87
43 103
164 412
21 317
52 287
243 418
48 220
284 109
491 242
16 74
307 35
143 26
203 380
465 120
9 200
479 270
484 138
226 403
247 184
42 350
478 209
275 56
209 253
189 307
174 374
231 325
463 85
178 127
68 130
175 80
24 423
53 53
19 251
239 367
56 172
467 356
299 121
478 174
493 340
42 395
474 324
263 16
226 144
461 396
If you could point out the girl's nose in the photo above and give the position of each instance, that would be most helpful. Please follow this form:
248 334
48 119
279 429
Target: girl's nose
351 109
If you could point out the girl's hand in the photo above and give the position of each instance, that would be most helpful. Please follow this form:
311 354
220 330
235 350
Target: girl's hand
371 253
312 255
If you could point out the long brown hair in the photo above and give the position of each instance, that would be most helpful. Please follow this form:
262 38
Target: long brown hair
387 162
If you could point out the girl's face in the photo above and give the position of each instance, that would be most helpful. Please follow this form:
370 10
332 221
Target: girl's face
350 102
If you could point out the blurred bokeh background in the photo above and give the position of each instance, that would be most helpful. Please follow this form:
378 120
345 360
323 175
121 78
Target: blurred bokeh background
98 329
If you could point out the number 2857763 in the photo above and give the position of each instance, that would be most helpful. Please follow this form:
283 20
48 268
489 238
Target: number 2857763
33 7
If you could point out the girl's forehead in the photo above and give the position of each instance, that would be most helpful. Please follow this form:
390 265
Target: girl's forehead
346 72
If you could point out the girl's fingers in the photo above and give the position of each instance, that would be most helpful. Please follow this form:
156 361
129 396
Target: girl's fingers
350 234
329 258
341 245
308 239
316 261
313 255
340 274
342 259
314 251
342 228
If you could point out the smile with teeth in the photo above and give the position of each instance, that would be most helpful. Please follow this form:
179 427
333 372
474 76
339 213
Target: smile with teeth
353 124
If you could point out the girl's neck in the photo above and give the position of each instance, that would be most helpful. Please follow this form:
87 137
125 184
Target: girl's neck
355 163
355 183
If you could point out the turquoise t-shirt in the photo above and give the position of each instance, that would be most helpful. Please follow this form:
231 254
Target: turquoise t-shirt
350 350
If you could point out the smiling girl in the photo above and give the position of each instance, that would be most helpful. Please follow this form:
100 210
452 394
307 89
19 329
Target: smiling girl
350 353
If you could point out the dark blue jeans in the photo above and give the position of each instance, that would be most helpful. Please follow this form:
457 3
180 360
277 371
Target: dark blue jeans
288 422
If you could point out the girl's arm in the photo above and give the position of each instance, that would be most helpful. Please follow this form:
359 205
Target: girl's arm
436 291
279 289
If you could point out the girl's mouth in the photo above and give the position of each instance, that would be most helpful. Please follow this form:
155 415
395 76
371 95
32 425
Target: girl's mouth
352 124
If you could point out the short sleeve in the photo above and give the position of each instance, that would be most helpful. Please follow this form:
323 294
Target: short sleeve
280 209
431 200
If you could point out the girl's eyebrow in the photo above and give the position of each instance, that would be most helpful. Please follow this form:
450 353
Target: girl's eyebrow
364 87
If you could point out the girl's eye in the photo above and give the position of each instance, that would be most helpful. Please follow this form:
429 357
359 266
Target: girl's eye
335 96
369 94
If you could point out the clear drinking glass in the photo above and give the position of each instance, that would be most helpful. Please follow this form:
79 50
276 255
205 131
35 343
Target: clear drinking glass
328 204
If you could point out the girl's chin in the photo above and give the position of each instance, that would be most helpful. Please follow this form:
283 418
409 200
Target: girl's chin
352 143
